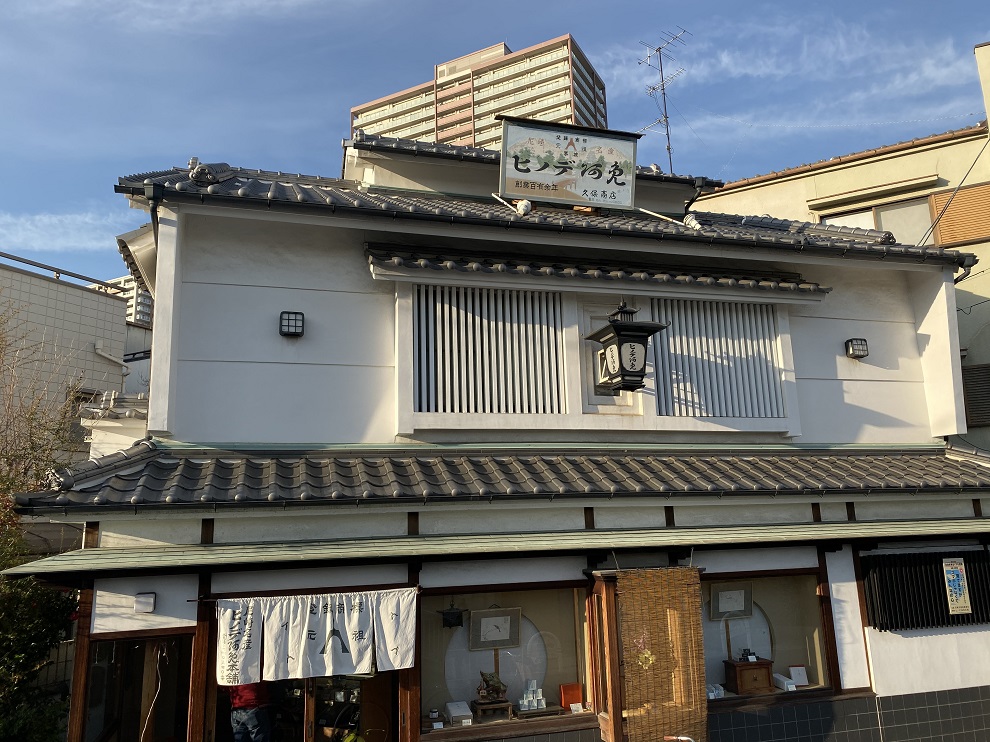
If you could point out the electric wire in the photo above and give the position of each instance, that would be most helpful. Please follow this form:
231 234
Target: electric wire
158 674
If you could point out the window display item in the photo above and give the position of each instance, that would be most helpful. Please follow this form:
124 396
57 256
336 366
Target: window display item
491 688
749 678
459 713
783 682
799 674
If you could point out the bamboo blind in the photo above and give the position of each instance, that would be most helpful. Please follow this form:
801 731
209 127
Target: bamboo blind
662 653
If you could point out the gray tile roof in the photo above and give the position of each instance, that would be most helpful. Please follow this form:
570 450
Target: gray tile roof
221 184
148 476
406 261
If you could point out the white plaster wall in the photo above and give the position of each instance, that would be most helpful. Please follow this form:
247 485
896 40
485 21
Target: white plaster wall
113 603
148 532
234 379
720 514
909 509
318 578
863 412
502 571
756 560
488 519
928 660
881 398
263 527
641 514
238 380
833 511
847 619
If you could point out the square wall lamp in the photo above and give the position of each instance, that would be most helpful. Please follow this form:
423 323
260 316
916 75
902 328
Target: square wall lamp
291 324
857 348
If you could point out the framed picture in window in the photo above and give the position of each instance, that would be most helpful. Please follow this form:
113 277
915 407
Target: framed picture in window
731 600
495 628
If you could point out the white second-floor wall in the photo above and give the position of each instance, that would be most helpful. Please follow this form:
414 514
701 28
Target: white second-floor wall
222 373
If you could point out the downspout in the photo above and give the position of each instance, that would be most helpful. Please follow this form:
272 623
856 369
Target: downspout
699 184
124 368
154 192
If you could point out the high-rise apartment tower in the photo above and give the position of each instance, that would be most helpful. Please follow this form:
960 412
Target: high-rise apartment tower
140 305
552 81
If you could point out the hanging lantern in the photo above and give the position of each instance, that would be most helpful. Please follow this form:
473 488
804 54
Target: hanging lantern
622 359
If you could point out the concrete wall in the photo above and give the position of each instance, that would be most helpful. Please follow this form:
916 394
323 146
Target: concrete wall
65 321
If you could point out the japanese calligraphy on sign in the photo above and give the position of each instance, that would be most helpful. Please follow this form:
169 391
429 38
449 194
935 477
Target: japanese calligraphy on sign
568 165
956 588
320 635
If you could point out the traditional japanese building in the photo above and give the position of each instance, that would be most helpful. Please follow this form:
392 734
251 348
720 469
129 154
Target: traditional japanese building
395 442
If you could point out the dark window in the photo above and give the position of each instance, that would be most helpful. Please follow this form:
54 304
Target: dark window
908 591
976 391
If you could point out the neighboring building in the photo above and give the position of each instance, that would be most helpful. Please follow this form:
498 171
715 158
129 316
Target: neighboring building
903 188
377 421
553 81
140 305
77 335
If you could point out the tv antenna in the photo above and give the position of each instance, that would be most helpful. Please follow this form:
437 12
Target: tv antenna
657 56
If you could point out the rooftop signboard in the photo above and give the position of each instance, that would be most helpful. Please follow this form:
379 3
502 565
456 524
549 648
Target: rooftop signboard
565 164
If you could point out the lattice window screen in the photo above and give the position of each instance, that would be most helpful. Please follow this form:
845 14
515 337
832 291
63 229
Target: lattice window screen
717 359
487 350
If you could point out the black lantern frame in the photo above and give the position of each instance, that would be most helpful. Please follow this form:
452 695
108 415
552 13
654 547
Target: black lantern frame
622 359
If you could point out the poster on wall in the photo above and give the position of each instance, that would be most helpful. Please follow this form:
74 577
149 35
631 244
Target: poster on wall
567 164
955 586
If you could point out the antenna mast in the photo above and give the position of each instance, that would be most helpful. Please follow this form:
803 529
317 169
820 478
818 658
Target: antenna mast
655 59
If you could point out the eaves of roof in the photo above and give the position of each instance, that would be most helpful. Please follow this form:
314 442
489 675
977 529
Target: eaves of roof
118 561
979 129
146 477
221 185
394 262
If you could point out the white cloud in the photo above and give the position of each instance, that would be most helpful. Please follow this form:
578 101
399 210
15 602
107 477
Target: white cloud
194 16
59 233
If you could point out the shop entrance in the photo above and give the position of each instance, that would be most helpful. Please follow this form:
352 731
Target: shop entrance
345 708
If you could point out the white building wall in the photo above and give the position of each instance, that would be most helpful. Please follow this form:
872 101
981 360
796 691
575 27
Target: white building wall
228 376
113 603
238 380
929 660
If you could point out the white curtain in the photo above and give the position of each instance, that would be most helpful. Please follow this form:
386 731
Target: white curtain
309 636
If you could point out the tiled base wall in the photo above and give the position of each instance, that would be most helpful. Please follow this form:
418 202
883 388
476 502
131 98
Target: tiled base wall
961 715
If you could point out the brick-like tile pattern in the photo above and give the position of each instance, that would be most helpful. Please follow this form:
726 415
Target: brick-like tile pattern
961 715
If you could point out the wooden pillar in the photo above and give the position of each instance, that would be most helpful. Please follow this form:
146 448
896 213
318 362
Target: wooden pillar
202 677
80 667
409 678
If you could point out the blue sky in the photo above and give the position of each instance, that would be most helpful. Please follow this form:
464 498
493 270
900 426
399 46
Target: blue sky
96 89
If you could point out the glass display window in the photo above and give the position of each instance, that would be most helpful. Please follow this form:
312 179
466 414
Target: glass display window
768 625
502 656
